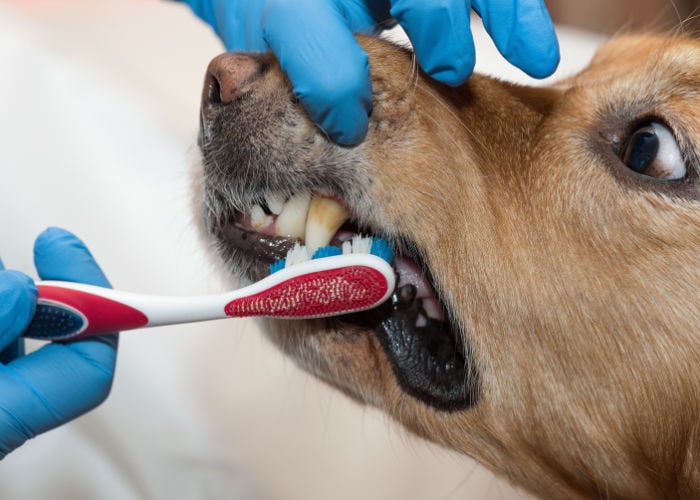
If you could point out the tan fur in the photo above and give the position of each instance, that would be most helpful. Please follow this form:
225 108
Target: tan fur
576 285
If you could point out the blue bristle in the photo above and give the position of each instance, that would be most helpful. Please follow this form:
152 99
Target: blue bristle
327 251
54 322
382 248
277 266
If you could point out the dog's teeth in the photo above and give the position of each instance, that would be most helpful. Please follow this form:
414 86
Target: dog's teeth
433 309
291 221
325 217
258 218
275 203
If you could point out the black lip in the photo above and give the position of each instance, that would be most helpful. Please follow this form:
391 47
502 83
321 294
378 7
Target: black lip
430 362
261 249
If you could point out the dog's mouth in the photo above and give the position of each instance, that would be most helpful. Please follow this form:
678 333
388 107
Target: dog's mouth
425 348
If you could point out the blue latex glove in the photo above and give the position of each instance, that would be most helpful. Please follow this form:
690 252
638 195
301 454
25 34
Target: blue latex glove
59 382
313 40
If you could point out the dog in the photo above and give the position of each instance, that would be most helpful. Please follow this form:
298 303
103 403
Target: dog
546 319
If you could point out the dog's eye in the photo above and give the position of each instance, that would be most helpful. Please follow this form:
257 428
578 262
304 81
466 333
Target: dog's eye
652 150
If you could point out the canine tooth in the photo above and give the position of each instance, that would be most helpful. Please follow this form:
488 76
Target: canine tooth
325 217
258 218
291 221
275 203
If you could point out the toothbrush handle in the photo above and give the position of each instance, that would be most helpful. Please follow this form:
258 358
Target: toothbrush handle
65 310
74 310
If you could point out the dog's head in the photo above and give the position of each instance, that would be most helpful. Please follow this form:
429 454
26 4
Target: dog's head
547 317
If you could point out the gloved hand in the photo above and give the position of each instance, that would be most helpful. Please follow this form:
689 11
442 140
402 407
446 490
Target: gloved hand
58 382
313 40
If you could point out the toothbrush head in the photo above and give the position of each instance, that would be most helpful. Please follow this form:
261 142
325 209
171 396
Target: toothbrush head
322 287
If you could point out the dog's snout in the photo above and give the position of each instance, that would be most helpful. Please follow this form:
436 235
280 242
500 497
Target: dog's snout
229 77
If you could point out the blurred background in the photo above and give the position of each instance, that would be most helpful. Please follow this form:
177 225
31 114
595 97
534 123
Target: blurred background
98 118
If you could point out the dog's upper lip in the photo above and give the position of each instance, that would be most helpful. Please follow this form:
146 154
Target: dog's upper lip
262 248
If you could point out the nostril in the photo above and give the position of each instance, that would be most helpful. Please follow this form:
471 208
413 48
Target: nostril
229 77
212 89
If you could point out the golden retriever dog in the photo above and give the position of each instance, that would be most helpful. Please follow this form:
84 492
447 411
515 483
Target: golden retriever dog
547 316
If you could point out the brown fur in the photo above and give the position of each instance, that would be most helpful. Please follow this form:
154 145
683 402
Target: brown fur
574 282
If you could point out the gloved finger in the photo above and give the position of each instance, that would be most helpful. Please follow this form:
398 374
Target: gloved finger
17 302
367 17
15 348
13 351
441 37
60 255
238 23
203 9
50 387
58 382
523 32
328 69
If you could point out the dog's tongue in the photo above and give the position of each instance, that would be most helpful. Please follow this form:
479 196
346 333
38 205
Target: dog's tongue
410 274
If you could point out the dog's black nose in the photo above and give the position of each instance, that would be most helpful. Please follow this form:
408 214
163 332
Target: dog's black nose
229 76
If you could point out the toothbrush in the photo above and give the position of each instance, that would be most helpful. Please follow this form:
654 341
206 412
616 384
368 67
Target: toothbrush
334 281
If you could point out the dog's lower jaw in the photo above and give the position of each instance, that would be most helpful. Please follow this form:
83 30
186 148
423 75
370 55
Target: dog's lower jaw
332 356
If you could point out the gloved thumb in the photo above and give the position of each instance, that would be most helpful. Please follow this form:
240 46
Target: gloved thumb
17 302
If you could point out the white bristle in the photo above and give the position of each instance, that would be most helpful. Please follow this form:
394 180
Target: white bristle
361 244
301 253
346 247
357 244
298 254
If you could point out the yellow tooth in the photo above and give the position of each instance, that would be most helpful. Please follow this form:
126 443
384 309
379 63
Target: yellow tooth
325 217
292 220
